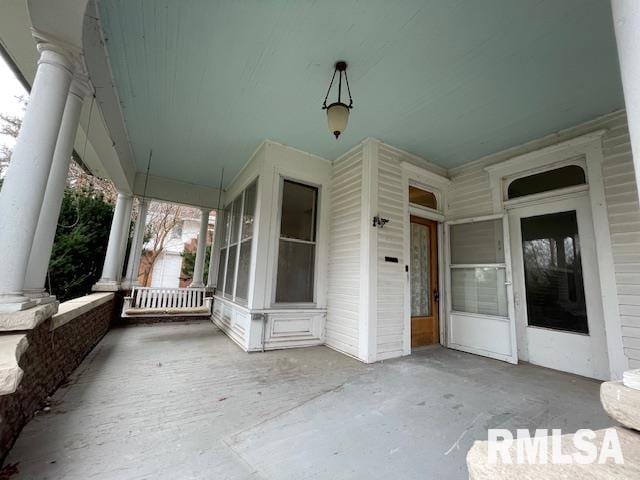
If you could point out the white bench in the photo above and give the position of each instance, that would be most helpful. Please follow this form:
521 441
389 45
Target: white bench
161 302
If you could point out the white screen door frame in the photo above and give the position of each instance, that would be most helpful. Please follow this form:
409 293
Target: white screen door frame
582 354
487 335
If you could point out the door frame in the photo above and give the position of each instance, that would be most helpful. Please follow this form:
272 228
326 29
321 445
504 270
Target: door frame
597 331
513 356
439 185
436 235
588 149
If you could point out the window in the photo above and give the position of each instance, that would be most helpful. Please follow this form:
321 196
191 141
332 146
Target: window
423 198
563 177
553 272
235 245
478 270
297 244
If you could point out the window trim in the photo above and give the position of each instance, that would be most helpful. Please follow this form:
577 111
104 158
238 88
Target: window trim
278 237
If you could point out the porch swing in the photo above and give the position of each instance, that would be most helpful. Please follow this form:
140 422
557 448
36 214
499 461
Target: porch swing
154 302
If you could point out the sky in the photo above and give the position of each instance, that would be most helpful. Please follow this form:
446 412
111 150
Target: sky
10 87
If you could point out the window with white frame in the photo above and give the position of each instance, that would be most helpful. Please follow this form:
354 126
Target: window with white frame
235 246
478 268
295 278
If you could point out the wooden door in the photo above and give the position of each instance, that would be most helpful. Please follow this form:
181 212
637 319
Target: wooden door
425 328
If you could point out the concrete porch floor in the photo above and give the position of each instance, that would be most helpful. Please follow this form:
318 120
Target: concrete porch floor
181 401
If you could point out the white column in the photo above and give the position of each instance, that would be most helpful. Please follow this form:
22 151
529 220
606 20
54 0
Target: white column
135 253
112 260
124 239
54 193
626 20
24 186
201 252
212 279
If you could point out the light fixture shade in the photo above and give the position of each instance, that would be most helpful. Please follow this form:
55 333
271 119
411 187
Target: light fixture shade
337 118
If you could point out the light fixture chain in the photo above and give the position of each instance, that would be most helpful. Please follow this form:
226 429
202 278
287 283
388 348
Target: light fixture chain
324 104
346 78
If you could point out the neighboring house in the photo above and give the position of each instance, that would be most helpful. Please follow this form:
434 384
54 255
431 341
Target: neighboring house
167 269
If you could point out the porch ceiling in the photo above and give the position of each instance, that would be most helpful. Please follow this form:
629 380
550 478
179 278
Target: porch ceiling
447 80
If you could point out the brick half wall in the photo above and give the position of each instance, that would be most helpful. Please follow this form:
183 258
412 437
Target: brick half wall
56 348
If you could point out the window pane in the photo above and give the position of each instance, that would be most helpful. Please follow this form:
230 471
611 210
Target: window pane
223 257
422 197
298 211
249 211
563 177
231 270
477 242
479 290
244 265
235 219
553 272
420 273
295 272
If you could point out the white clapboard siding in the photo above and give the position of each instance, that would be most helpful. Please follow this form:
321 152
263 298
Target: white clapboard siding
470 195
391 276
343 300
624 223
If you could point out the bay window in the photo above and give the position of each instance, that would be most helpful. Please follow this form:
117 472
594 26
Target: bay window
235 245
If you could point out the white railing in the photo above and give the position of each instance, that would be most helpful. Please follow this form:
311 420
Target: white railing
152 301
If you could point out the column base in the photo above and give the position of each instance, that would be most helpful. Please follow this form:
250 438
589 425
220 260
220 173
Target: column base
106 286
128 285
15 303
196 285
40 296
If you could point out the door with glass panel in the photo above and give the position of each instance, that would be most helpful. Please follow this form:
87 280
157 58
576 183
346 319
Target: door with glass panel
425 328
559 316
480 299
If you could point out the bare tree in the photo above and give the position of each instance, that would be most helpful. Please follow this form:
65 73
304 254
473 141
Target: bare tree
162 219
79 178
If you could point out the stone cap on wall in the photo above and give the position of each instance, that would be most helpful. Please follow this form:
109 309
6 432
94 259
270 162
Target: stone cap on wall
74 308
27 319
12 346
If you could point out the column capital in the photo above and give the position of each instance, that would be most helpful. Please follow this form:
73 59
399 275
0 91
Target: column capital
52 54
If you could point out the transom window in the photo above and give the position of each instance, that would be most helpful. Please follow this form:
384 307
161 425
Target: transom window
563 177
424 198
235 248
297 244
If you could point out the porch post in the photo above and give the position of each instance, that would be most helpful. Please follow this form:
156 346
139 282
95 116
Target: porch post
626 20
198 269
109 281
124 239
133 265
54 193
213 270
24 187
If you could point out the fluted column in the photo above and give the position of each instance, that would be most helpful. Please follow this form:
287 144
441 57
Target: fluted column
626 20
24 187
135 253
54 193
110 279
201 252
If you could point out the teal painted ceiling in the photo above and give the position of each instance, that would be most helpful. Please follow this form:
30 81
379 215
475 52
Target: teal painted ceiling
204 82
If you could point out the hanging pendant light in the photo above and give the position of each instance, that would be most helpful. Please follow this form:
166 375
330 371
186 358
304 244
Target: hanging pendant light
338 112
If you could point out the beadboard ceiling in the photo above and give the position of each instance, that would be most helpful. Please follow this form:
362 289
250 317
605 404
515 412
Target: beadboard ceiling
203 82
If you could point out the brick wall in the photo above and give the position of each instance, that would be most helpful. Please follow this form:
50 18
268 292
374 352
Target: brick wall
47 362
